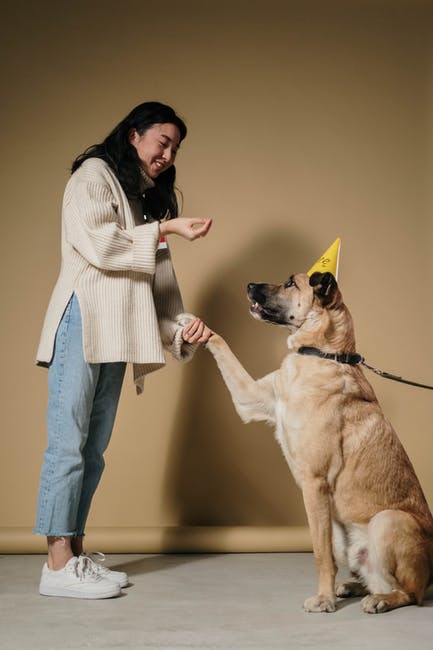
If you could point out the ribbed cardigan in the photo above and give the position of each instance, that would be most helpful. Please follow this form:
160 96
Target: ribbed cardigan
129 298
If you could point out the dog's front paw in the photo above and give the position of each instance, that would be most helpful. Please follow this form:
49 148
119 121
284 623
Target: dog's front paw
185 319
320 603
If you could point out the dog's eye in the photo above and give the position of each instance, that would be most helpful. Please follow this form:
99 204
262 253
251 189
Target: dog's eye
290 283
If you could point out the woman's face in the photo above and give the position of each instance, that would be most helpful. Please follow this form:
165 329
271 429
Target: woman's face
156 147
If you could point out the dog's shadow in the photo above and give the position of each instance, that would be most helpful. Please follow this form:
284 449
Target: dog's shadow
220 471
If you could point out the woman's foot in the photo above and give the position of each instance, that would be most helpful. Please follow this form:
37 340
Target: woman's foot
77 579
97 559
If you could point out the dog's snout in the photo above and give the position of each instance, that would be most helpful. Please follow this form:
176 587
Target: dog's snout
255 291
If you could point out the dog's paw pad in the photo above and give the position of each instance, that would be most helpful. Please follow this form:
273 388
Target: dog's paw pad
319 604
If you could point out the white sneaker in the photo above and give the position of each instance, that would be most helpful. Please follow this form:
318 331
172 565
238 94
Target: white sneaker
97 558
77 579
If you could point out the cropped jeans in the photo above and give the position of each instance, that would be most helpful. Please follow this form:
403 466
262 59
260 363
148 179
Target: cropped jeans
82 405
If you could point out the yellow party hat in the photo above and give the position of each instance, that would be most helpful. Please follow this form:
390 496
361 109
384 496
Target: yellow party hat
328 261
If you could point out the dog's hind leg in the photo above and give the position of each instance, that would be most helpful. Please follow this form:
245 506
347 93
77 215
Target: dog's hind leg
340 544
398 562
355 540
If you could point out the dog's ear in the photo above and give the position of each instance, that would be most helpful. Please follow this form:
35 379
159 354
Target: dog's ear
325 289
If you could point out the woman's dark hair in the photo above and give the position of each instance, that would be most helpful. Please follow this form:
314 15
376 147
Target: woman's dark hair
123 159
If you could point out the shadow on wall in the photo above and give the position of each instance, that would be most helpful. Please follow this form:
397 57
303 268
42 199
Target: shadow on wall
219 470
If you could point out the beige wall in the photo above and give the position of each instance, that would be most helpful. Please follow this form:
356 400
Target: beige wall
307 121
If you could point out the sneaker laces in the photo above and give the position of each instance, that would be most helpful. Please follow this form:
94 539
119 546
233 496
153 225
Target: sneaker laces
97 559
84 568
96 556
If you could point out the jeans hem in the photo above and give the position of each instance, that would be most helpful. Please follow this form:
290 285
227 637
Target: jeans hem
35 531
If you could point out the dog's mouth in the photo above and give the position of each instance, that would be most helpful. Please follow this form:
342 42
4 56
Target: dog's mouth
255 308
266 313
259 310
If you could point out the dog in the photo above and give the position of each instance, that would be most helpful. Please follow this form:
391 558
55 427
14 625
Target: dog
365 507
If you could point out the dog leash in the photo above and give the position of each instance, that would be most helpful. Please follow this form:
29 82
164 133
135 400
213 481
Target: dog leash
358 360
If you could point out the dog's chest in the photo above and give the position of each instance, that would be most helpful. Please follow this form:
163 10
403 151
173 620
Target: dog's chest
304 410
289 436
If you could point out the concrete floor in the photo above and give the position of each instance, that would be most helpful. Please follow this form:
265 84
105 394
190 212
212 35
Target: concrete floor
224 602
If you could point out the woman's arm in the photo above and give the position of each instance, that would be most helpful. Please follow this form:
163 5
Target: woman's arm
190 229
93 229
181 333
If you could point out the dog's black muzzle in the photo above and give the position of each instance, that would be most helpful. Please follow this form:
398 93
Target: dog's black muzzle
257 292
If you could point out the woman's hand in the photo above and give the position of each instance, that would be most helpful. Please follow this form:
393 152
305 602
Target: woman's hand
196 332
187 228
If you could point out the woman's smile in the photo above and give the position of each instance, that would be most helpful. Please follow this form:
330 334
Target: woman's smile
156 147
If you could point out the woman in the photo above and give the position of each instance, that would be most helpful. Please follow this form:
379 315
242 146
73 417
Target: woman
116 301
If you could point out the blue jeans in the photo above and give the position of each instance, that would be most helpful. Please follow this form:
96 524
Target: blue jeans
82 405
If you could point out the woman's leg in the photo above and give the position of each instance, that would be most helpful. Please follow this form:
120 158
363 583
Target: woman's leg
101 424
100 428
59 552
72 388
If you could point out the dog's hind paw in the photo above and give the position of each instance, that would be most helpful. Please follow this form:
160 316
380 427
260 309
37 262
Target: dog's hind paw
320 603
350 589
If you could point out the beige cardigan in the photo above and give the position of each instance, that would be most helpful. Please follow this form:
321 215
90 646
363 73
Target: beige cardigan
129 298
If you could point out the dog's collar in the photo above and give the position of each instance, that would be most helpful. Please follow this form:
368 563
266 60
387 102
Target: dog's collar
351 359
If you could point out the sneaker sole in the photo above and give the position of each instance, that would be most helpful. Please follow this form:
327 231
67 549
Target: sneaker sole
70 593
122 583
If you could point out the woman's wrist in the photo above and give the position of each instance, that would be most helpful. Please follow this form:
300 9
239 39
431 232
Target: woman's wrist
163 228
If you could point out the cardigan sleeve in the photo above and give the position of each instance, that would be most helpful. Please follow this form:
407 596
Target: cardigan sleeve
92 227
171 316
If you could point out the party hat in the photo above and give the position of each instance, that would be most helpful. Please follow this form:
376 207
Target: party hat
328 261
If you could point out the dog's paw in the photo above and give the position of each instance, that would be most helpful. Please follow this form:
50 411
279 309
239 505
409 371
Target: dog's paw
375 604
185 319
350 589
320 603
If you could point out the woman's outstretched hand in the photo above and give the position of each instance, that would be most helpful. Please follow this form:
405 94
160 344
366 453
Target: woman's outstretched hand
196 332
187 228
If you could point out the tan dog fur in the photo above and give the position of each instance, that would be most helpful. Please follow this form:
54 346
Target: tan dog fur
364 504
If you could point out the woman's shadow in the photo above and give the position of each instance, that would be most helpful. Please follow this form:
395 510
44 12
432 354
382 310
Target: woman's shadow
221 472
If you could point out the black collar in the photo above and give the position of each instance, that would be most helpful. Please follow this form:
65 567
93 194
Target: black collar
351 359
357 360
